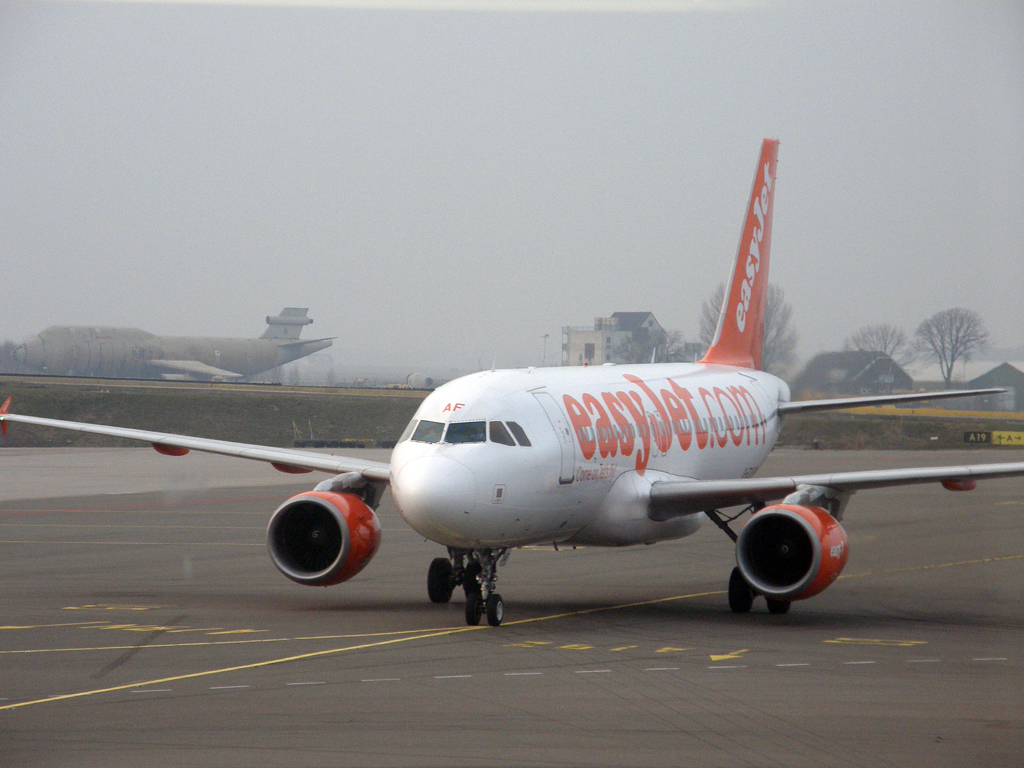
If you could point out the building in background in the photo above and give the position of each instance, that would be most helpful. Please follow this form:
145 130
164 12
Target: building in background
1009 376
977 374
601 343
851 373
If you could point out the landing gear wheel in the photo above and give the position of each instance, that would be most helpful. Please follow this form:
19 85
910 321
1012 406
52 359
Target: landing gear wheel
495 610
778 606
474 608
439 580
470 582
741 596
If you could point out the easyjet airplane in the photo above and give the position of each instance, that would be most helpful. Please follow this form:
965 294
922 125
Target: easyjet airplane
601 456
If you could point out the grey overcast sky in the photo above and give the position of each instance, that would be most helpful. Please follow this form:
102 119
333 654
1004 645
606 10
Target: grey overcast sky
442 187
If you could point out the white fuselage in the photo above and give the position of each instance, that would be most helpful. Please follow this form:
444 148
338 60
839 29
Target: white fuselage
598 437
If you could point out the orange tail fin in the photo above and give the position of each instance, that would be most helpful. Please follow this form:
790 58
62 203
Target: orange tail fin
740 333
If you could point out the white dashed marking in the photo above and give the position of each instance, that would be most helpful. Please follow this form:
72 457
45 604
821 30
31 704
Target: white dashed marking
661 669
451 677
591 671
991 658
923 661
728 666
317 682
153 690
521 674
795 664
227 687
851 663
381 680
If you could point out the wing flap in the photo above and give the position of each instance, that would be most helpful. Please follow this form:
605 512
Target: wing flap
371 470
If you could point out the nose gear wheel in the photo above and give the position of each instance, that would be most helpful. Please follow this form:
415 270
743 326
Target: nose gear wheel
476 571
440 580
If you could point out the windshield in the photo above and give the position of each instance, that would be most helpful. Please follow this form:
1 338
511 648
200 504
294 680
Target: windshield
428 431
466 432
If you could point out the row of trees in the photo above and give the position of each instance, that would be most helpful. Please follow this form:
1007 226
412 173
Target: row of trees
946 338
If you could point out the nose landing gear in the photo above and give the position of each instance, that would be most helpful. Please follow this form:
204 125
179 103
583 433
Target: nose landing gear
476 570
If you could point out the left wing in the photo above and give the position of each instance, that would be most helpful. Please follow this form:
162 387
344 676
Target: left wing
283 459
836 403
195 367
680 497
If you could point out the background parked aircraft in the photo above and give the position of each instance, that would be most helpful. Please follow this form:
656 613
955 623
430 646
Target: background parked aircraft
132 353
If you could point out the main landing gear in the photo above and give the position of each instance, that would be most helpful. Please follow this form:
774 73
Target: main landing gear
741 594
476 571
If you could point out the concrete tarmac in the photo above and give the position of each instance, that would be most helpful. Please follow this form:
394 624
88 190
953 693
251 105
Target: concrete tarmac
143 624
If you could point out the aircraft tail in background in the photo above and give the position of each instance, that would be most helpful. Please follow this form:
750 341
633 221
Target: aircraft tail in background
740 335
287 325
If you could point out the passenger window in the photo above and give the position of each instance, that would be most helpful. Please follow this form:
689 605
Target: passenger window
408 431
428 432
500 435
520 435
466 432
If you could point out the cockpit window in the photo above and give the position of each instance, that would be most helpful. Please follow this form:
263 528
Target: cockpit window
500 435
518 432
466 432
428 432
408 431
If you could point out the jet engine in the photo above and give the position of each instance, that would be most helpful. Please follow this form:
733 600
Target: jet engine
790 552
321 538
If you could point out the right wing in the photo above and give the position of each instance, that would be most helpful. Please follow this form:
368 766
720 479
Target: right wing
681 497
283 459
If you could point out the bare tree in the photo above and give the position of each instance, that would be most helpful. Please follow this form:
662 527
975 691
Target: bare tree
779 350
949 336
884 338
709 312
641 348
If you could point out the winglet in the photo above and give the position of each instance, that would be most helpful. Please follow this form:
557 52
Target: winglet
740 335
4 410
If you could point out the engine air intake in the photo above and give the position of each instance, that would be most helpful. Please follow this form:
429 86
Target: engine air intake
320 538
790 552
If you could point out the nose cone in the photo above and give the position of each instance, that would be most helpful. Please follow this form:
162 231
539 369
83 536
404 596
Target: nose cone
436 496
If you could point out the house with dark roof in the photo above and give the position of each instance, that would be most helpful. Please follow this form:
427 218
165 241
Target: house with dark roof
636 322
851 373
1010 378
601 343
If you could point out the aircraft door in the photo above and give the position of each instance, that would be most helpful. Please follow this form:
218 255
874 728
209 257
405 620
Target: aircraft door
561 427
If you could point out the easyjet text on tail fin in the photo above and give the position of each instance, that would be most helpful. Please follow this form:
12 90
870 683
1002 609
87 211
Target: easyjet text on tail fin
740 333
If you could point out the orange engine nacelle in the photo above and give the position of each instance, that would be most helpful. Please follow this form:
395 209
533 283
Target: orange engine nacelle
789 552
319 539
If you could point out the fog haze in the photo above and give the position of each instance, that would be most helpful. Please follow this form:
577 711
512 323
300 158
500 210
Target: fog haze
444 187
